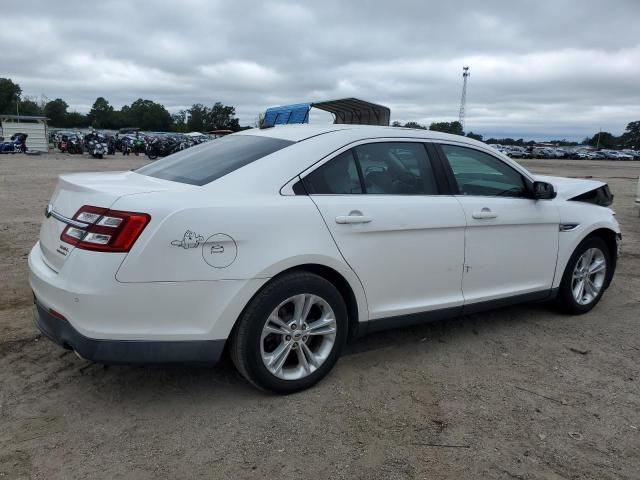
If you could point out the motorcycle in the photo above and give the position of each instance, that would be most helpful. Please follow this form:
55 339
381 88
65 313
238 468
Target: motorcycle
63 144
96 144
126 145
111 146
17 144
74 145
139 146
161 148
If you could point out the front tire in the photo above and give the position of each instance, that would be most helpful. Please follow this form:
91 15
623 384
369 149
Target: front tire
291 333
585 277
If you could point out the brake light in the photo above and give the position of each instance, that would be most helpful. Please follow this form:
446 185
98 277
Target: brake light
106 230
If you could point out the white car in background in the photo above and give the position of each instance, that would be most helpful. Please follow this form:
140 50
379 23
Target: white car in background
281 244
638 196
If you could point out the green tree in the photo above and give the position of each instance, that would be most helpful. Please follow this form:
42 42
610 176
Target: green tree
631 136
604 140
396 123
178 121
414 125
101 114
198 114
146 115
447 127
222 116
9 93
56 110
28 106
475 136
75 120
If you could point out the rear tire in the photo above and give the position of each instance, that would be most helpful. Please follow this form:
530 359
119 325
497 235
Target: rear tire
585 277
291 333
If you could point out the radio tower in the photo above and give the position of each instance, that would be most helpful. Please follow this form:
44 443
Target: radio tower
463 99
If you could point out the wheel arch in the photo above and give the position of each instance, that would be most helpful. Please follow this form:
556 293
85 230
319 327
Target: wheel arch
354 299
610 239
605 232
343 286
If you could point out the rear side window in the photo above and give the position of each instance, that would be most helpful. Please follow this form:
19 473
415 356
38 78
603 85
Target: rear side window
339 176
209 161
396 169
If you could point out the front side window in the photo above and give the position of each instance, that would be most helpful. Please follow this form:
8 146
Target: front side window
209 161
391 168
481 174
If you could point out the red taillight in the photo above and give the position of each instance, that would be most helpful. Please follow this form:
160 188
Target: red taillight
106 231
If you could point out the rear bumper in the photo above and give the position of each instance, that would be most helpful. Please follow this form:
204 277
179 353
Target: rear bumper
99 307
113 352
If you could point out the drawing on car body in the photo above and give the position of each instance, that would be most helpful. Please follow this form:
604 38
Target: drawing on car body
189 240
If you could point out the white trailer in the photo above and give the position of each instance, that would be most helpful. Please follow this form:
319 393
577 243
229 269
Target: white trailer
35 127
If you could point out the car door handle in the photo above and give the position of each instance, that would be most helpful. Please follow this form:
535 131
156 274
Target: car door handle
483 214
355 216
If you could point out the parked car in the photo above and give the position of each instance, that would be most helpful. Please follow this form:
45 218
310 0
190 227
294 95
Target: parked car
582 155
610 154
517 152
622 156
544 153
280 245
634 153
638 196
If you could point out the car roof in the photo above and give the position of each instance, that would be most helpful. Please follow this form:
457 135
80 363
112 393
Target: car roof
297 133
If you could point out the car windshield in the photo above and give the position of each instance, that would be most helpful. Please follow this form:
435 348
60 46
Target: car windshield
209 161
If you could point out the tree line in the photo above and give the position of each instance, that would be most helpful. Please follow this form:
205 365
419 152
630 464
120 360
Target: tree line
630 138
149 115
143 114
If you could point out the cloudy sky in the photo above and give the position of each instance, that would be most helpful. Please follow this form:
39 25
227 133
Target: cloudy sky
539 69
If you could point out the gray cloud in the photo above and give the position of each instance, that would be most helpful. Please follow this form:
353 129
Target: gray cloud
561 68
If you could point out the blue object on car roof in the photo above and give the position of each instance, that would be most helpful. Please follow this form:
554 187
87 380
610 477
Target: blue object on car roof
344 111
298 113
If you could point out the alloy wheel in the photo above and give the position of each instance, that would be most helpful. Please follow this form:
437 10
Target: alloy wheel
298 336
588 276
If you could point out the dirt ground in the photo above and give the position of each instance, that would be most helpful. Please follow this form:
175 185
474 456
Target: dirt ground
521 392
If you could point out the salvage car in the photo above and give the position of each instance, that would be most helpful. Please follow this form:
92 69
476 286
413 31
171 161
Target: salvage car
279 245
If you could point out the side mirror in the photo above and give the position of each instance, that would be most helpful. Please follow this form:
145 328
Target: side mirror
543 191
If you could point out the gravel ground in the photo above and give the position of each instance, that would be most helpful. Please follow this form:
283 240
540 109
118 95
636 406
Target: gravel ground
521 392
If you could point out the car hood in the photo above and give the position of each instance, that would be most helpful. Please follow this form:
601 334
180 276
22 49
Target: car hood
567 188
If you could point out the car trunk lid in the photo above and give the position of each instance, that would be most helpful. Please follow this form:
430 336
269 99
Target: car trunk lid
97 189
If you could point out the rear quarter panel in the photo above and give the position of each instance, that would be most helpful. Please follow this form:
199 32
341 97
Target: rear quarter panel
232 238
253 237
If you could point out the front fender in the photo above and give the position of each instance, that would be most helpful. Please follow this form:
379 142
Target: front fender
581 215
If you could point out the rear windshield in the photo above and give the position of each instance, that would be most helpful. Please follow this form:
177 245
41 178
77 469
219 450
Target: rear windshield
209 161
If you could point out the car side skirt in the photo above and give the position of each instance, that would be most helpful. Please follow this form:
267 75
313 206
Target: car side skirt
400 321
126 352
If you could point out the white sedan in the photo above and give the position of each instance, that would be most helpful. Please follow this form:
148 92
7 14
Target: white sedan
282 244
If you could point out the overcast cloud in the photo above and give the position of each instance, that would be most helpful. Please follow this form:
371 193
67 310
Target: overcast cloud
539 69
